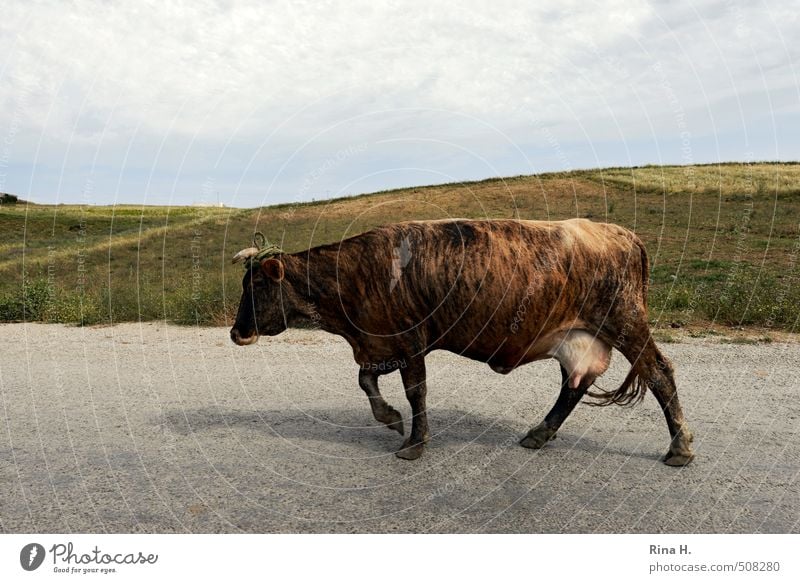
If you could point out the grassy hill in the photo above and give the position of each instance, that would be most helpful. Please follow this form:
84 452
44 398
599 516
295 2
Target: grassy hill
723 240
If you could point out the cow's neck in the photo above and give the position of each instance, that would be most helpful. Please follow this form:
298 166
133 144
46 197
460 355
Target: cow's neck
313 284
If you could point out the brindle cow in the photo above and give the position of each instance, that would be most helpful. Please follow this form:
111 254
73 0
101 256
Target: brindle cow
504 292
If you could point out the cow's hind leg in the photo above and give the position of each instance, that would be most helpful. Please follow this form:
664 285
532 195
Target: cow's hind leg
567 400
416 388
666 393
655 371
382 411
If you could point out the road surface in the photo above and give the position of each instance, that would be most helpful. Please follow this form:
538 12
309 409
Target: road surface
156 428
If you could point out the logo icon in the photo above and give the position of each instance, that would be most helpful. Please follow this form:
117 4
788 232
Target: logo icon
31 556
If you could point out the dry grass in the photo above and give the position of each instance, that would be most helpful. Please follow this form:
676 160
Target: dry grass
723 241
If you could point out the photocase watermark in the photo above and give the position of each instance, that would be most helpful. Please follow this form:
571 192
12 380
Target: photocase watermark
790 281
550 138
168 441
612 63
384 365
65 559
739 250
475 470
51 270
14 127
741 30
197 275
680 120
522 308
86 198
313 177
31 556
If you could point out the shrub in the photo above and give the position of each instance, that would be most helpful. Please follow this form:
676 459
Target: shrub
36 297
746 299
201 306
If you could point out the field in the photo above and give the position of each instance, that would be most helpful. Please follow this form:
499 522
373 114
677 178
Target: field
723 243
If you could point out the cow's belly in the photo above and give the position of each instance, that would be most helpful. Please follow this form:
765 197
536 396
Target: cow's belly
583 356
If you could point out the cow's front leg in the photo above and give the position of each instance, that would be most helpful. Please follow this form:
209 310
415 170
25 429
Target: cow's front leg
383 412
414 383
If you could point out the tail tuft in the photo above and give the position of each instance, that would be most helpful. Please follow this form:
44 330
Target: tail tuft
630 392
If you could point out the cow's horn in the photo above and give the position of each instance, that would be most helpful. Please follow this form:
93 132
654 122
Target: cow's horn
245 254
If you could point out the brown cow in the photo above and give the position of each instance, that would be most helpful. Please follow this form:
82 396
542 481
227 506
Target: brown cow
504 292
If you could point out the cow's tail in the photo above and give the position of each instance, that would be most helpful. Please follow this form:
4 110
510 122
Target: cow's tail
634 387
630 392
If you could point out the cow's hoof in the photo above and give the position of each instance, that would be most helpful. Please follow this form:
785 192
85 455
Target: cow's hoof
537 437
410 451
677 459
394 421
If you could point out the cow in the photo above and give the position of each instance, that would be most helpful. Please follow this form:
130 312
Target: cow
503 292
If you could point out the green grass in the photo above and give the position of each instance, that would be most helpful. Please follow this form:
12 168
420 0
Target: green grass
723 242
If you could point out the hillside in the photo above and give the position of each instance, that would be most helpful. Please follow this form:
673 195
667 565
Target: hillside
723 242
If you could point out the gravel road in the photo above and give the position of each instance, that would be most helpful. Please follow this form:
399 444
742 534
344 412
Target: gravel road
156 428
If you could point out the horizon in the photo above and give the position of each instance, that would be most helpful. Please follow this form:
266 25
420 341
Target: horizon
412 186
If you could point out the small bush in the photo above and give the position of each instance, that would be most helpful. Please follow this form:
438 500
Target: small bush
748 300
36 296
66 308
200 306
676 298
129 301
12 309
739 298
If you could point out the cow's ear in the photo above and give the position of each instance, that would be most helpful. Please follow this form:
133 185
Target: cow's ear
272 268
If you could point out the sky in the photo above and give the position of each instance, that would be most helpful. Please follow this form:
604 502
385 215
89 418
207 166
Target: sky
258 103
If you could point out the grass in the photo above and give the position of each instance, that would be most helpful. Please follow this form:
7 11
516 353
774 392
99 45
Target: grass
723 243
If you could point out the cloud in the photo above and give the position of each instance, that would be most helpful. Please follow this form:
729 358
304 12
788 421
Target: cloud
161 96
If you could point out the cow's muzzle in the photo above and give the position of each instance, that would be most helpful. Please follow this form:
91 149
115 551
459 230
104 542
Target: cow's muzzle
238 339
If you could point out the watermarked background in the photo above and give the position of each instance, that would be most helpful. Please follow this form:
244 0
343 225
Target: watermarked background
148 427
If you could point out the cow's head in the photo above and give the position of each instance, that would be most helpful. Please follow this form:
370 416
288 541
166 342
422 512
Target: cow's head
263 307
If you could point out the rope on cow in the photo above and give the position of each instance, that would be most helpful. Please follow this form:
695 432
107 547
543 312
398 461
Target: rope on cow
265 250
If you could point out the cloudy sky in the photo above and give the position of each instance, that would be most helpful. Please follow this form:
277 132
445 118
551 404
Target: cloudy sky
265 102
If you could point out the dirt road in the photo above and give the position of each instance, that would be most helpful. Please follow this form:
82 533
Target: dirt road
154 428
